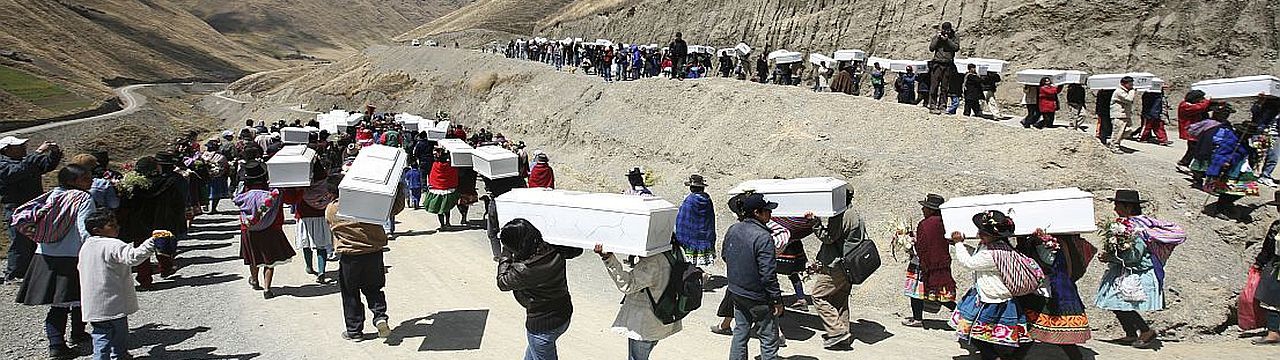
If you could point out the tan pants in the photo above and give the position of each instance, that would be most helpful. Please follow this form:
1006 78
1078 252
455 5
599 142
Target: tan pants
831 299
1120 129
989 104
1077 115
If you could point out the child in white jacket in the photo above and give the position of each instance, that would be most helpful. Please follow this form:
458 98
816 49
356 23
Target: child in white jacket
106 288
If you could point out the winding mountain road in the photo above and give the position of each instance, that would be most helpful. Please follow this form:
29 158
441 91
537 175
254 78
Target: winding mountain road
132 102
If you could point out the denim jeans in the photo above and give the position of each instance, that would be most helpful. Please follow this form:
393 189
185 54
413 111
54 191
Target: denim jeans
21 249
877 91
639 349
1270 164
767 329
542 345
111 339
1273 320
955 105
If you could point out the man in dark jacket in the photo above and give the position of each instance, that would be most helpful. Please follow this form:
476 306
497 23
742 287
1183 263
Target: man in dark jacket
749 255
678 51
974 92
1076 101
495 188
534 272
172 191
990 82
762 69
942 67
831 287
20 182
955 91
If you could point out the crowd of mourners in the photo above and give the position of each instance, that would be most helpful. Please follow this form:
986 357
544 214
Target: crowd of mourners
79 248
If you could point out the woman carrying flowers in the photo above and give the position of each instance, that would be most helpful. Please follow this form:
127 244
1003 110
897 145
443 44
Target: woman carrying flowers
985 316
1135 250
1059 319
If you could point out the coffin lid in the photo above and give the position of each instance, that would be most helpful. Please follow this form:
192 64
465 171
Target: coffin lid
373 169
884 62
1028 196
455 145
442 126
781 186
306 129
819 59
1042 72
292 154
1237 79
995 65
607 202
491 153
743 48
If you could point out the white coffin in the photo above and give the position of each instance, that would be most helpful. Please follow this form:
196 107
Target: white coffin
743 49
459 152
437 132
297 135
1157 86
1073 77
962 66
824 196
786 57
1033 76
920 67
1141 81
701 49
1057 211
850 55
291 167
351 120
412 123
884 62
726 52
494 162
369 188
1241 87
819 59
624 224
993 65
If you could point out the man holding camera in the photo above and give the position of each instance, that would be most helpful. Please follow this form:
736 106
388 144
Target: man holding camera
20 182
942 67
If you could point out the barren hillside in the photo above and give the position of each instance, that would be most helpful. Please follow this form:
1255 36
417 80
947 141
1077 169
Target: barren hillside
321 28
1181 40
70 49
732 131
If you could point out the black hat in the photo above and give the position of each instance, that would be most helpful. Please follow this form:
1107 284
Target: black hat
756 201
1127 196
933 201
696 180
994 223
254 170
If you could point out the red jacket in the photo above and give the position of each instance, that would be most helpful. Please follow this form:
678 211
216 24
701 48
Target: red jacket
1049 98
1190 113
542 176
443 176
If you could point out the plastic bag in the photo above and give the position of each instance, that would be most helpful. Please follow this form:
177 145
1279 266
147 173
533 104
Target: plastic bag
1250 313
1130 286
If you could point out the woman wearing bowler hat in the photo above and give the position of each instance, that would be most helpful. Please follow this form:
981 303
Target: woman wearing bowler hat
987 317
1134 280
929 272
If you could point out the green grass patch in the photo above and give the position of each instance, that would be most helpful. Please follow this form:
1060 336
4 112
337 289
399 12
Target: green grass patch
40 92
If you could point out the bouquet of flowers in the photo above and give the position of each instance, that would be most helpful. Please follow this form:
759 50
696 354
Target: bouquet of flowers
1116 235
903 239
132 181
1049 242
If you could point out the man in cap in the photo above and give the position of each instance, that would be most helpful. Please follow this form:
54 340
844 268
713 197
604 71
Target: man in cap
753 281
831 286
1122 112
20 182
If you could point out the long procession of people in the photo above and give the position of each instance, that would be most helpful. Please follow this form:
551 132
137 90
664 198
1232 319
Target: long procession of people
79 248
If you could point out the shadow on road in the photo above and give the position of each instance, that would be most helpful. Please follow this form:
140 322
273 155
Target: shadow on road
161 338
202 280
444 331
203 247
204 260
309 290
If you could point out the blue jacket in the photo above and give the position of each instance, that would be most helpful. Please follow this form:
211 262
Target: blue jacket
749 256
20 178
1227 151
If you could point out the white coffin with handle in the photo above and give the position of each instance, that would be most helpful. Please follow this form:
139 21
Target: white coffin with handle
850 55
1033 76
819 60
290 167
962 66
494 162
1141 81
349 121
459 152
297 135
370 187
743 49
993 65
412 123
1157 86
1057 211
437 132
786 57
624 224
1241 87
824 196
884 62
1073 77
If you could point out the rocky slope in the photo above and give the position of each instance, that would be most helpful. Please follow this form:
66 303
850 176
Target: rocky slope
321 28
732 131
1181 40
80 46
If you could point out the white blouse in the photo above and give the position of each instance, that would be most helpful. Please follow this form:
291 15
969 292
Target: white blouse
987 280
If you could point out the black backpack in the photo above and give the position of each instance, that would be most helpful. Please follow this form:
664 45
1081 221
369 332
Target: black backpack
683 293
859 256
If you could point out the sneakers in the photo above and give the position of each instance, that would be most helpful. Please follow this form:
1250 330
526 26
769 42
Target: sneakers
1183 169
716 329
352 337
1268 182
59 352
268 294
912 323
800 305
383 330
836 342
